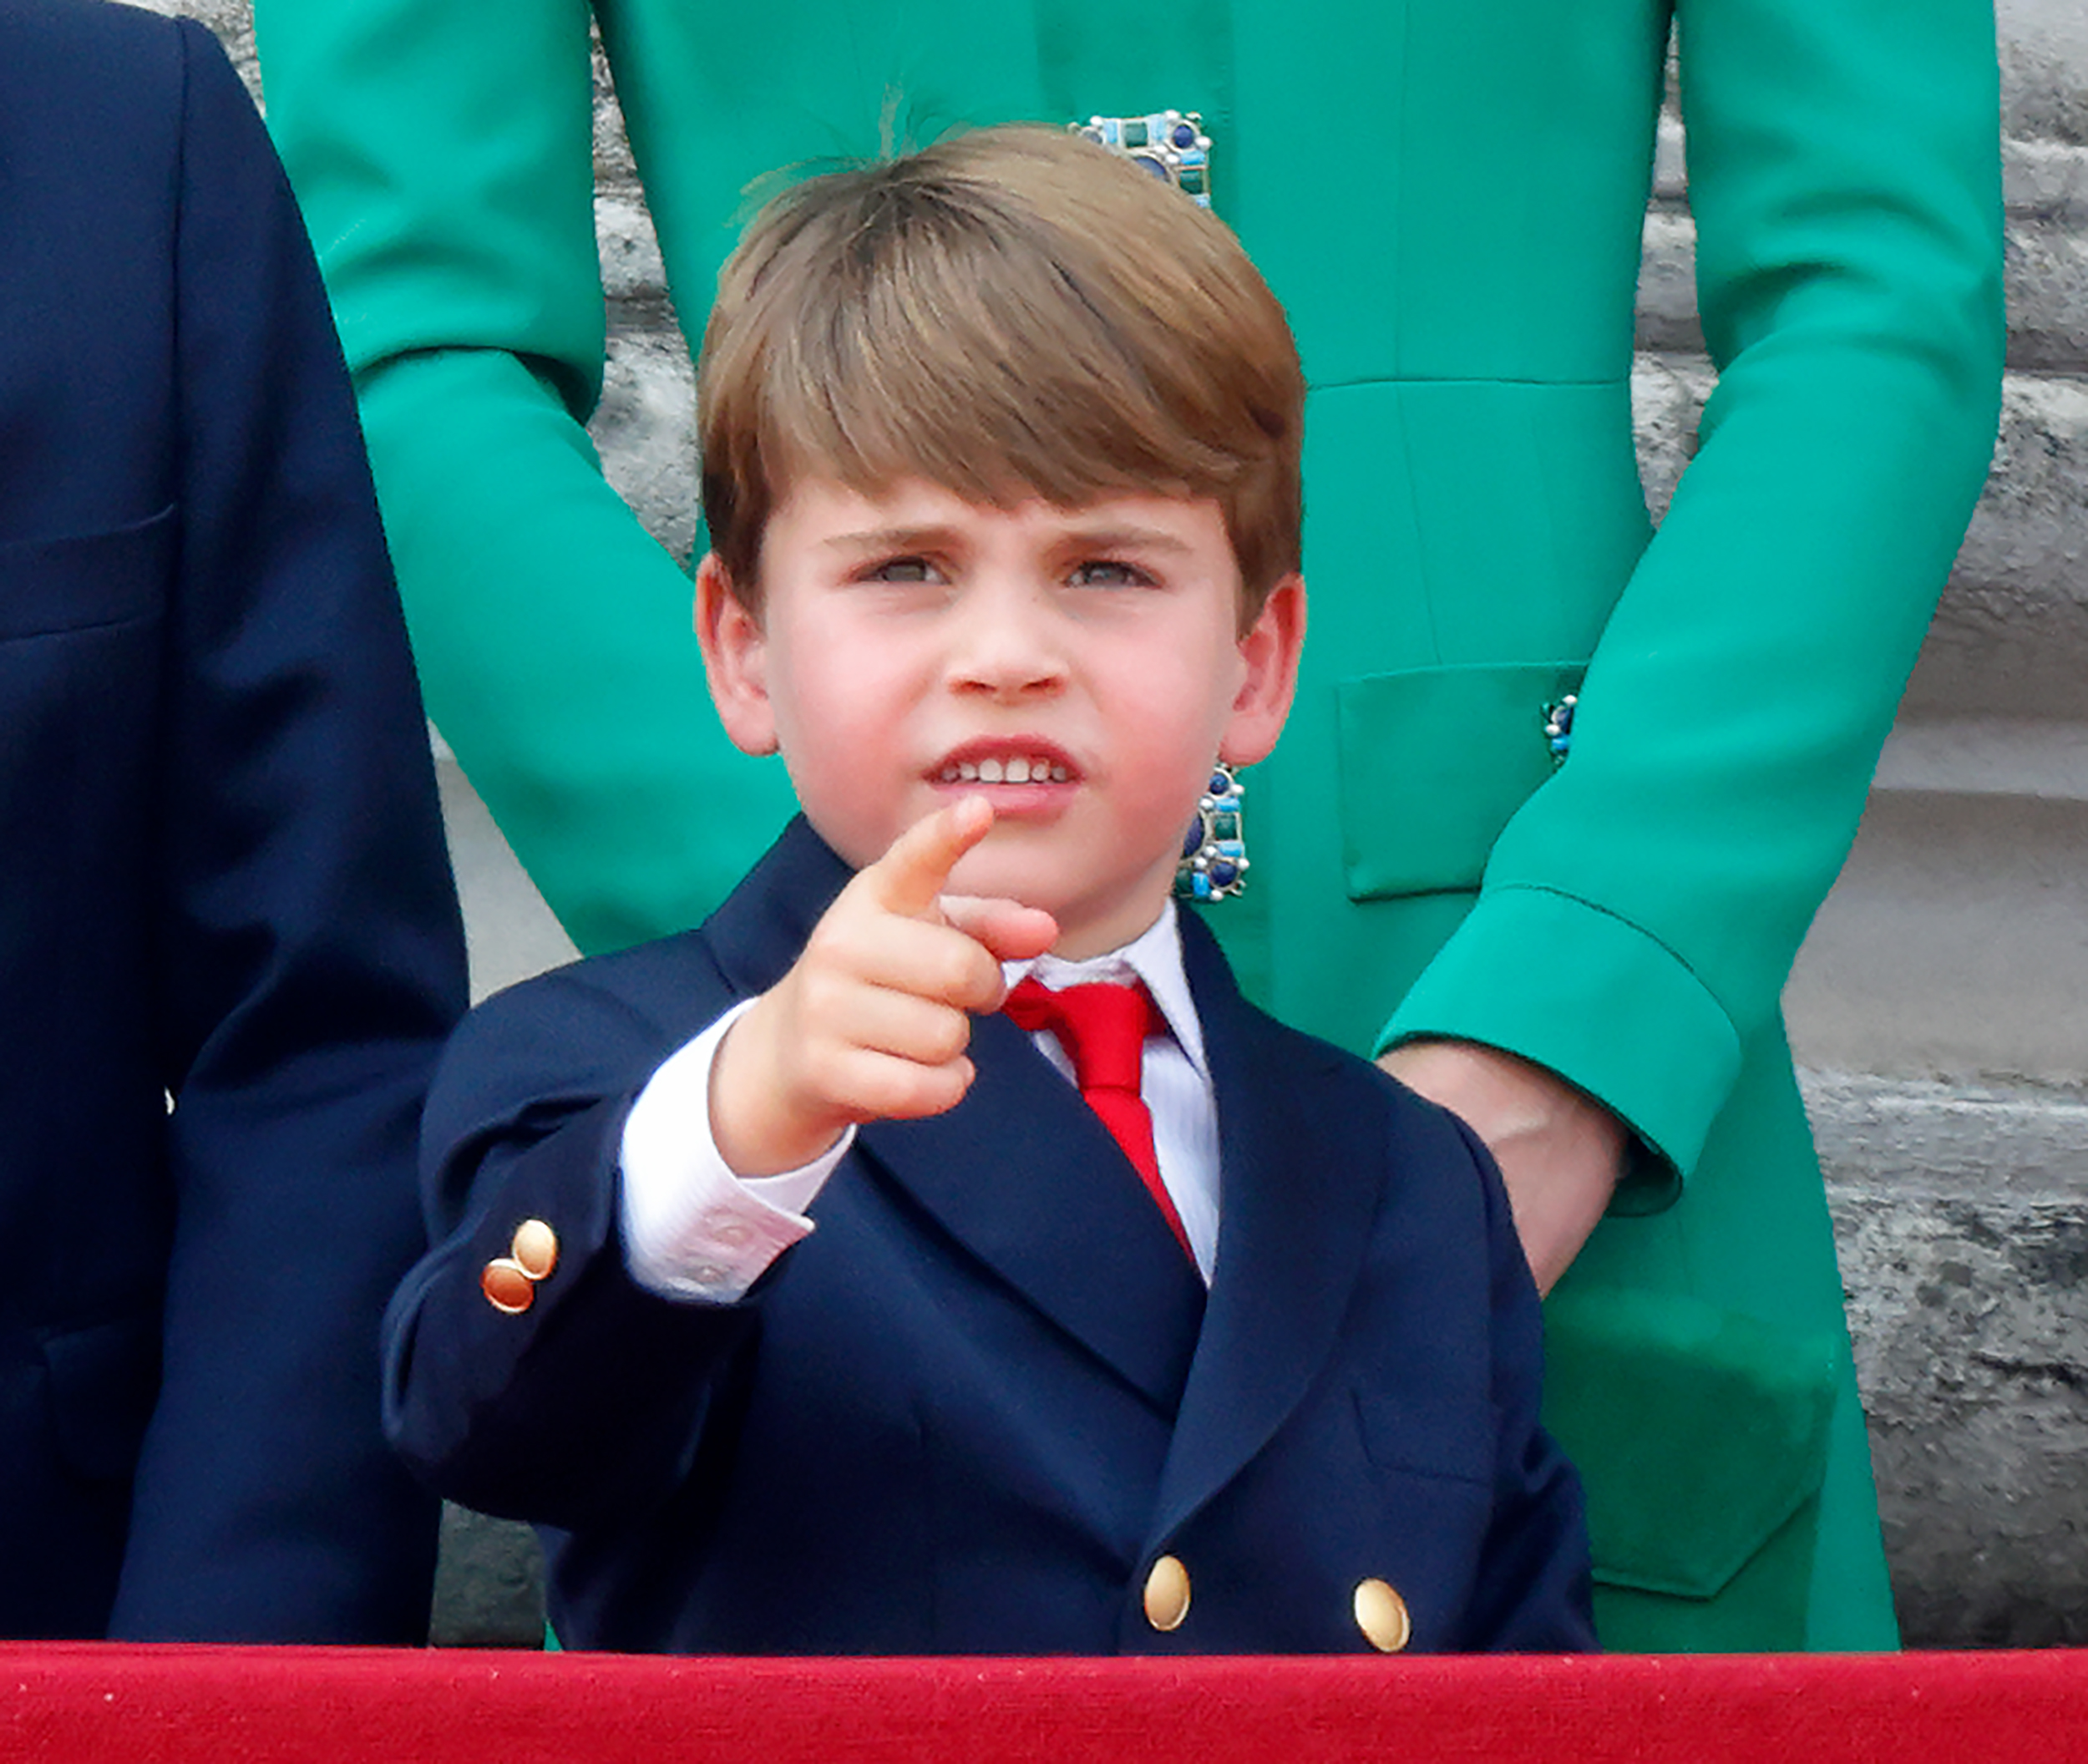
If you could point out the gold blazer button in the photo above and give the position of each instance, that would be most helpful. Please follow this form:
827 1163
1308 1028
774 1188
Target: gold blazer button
1167 1594
507 1286
535 1249
1381 1614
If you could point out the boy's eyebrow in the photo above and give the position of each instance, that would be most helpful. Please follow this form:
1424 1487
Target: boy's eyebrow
928 536
1131 537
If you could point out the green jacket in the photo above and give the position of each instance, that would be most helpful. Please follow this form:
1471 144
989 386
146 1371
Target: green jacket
1448 196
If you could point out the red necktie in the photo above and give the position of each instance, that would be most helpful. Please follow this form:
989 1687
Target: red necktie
1102 1027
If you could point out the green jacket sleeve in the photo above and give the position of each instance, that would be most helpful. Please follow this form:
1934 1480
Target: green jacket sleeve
1639 914
443 150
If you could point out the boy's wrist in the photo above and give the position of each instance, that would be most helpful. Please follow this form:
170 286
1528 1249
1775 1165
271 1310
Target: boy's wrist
691 1228
758 1127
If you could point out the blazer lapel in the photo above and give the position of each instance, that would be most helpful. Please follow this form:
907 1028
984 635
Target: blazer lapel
761 927
1024 1176
1302 1150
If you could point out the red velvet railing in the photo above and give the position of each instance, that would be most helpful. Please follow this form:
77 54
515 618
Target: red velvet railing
85 1704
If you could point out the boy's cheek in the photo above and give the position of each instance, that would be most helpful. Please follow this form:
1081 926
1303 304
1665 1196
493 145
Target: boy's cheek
858 842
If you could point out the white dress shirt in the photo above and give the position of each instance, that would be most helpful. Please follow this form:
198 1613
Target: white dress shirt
693 1229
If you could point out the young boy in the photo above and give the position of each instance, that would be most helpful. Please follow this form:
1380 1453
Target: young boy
787 1276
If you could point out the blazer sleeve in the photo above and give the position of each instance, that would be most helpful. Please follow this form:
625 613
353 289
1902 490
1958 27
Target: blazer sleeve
443 150
311 960
1638 916
589 1394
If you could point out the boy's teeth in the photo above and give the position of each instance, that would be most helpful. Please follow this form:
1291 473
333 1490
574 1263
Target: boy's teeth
1016 771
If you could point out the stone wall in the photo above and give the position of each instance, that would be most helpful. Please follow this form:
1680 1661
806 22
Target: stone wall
1941 1001
1940 1009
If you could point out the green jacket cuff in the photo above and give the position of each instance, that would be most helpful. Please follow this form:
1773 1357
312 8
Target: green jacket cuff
1597 1001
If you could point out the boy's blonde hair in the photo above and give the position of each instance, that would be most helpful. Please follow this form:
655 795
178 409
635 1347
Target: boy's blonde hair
1009 313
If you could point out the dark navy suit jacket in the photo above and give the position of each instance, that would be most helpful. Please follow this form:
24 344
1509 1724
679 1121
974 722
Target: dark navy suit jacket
972 1408
229 948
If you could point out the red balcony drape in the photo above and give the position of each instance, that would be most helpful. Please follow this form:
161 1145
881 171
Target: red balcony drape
101 1704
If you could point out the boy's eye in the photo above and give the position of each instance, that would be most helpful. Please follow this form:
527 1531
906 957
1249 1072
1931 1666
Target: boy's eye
902 570
1108 573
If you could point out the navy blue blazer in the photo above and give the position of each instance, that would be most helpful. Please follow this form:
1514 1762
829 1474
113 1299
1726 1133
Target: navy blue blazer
228 947
968 1412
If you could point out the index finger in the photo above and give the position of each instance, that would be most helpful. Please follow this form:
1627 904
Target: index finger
910 875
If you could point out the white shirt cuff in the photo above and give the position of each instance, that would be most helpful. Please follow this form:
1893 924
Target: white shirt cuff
691 1228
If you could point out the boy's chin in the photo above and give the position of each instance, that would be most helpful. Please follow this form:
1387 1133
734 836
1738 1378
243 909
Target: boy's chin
994 871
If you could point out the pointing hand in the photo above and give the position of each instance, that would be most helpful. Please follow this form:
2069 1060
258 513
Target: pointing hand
873 1019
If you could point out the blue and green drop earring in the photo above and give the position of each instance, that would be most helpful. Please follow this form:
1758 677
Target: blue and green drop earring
1214 866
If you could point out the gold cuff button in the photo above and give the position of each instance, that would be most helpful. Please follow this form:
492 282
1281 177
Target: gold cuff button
1167 1594
507 1286
1381 1614
535 1249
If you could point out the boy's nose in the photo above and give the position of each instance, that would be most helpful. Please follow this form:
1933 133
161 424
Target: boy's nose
1006 643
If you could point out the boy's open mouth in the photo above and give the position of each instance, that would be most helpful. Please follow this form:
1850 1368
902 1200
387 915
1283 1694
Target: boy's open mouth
1019 761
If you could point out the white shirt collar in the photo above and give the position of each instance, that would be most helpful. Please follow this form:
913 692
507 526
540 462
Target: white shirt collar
1154 956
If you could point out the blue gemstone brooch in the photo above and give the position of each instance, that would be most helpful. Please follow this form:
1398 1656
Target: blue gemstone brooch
1558 728
1214 865
1171 145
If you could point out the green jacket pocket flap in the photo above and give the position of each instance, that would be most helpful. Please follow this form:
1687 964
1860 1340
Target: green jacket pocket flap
1699 1433
1434 761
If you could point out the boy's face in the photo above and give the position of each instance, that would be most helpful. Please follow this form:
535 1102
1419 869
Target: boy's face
1079 667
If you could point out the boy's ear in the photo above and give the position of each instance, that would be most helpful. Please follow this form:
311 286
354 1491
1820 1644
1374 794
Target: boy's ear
1270 648
735 659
